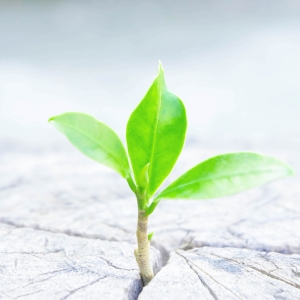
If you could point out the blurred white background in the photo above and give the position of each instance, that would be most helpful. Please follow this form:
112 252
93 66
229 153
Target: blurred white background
235 64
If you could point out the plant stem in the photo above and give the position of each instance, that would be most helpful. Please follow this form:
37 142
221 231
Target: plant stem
142 253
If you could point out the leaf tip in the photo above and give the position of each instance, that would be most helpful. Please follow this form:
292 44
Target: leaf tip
150 236
160 68
291 171
161 74
51 119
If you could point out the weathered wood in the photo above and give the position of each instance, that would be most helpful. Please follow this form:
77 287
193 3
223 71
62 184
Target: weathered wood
45 194
40 190
41 265
226 273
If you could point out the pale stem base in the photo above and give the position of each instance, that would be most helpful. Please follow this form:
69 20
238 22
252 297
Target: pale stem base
142 253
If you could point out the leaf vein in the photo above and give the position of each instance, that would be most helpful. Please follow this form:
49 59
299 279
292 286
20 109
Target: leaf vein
211 178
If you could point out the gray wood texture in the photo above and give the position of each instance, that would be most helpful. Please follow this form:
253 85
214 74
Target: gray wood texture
36 264
39 190
63 197
226 273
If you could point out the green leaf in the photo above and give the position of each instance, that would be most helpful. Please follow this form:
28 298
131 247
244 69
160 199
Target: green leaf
224 175
150 209
143 177
156 132
94 139
150 236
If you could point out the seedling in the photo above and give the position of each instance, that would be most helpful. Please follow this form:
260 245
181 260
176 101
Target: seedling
155 136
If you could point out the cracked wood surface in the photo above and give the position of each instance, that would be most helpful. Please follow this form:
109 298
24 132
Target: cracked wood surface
226 273
46 193
61 191
41 265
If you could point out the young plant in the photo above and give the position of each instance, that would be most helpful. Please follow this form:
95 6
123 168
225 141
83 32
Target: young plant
155 136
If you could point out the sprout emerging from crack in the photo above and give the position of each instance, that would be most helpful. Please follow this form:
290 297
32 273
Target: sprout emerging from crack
155 136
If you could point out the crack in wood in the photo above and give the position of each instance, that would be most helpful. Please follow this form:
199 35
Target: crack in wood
36 292
66 232
262 271
197 267
82 287
118 268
